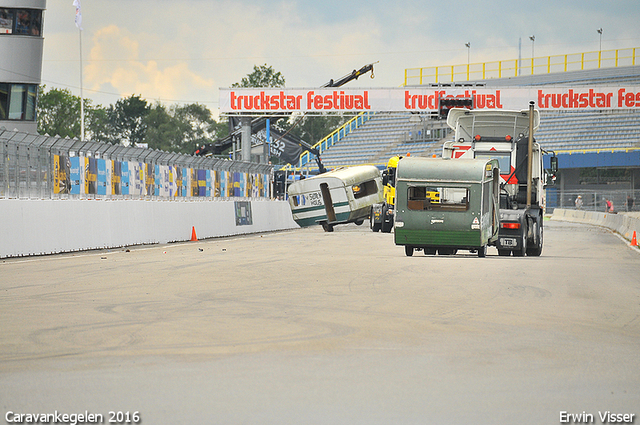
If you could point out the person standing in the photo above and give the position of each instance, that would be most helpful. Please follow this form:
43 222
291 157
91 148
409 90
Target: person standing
578 202
609 205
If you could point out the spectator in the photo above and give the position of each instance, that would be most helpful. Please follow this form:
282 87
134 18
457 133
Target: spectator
629 203
609 205
579 202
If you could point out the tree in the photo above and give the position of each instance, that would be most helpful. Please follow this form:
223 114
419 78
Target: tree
162 130
181 128
58 113
198 122
128 119
98 127
313 128
262 76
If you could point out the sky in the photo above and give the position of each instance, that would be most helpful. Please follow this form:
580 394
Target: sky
184 51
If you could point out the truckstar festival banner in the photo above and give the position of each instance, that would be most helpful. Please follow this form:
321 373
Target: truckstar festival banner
261 100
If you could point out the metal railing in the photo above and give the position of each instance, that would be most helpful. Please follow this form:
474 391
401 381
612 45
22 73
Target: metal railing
594 200
44 167
307 158
514 67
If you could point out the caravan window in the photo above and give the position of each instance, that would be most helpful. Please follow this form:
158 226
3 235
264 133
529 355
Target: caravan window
298 200
364 189
436 198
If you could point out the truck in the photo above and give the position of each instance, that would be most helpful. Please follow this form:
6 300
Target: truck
508 137
444 205
381 216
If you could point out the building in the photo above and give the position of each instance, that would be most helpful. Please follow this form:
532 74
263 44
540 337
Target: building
21 48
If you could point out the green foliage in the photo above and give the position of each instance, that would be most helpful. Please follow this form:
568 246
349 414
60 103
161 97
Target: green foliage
176 128
58 113
180 128
262 76
127 118
312 128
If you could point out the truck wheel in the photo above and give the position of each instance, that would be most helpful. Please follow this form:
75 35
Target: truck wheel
504 252
408 250
372 223
536 251
523 250
482 251
385 226
429 251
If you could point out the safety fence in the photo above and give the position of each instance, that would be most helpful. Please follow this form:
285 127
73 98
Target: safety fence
623 200
45 167
514 67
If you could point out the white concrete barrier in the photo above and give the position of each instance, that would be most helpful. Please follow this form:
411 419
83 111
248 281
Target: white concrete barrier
35 227
623 223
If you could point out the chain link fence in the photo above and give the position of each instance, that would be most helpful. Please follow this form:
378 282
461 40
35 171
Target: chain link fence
623 200
44 167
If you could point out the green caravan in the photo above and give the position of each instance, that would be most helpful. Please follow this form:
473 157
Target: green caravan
443 205
343 195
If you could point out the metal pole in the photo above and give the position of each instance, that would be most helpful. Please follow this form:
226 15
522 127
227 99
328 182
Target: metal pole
246 139
81 92
267 142
530 154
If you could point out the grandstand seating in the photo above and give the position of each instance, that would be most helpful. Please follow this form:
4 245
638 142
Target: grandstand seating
575 130
386 134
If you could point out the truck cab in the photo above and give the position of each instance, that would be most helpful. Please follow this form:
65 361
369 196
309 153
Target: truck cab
508 137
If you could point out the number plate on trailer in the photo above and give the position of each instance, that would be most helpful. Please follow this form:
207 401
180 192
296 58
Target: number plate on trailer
508 242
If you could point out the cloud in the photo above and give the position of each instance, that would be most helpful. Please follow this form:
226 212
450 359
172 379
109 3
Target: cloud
115 61
183 51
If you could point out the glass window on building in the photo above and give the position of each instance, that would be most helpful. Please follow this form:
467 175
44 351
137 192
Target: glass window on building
18 101
6 21
4 101
20 21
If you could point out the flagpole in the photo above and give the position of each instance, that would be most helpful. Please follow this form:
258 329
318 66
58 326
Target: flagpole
78 20
81 92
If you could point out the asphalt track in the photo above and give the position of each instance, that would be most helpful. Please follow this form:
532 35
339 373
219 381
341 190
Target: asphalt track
307 327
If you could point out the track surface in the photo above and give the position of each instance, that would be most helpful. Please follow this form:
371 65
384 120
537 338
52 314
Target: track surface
307 327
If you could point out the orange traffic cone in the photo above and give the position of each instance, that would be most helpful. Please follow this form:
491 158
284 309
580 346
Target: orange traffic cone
634 241
193 234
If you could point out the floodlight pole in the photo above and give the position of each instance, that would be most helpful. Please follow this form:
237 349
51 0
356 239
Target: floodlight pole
533 41
468 45
599 30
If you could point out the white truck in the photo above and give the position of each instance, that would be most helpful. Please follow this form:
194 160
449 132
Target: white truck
508 137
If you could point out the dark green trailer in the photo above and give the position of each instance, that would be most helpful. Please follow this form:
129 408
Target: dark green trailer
444 205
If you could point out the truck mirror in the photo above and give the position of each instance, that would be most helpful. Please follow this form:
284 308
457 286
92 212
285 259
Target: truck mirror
553 162
551 178
385 177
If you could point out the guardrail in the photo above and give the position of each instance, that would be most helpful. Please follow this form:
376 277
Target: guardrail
307 157
45 167
626 225
514 67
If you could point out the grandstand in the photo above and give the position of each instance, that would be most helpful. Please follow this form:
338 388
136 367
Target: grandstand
567 132
386 134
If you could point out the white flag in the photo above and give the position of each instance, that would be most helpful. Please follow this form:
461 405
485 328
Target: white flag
76 3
